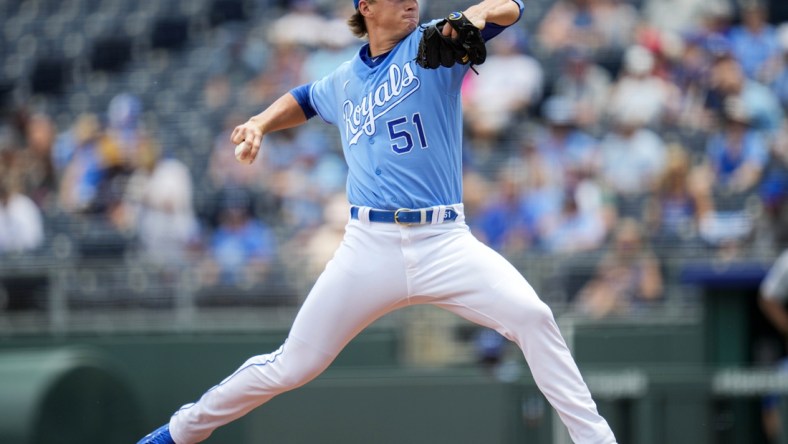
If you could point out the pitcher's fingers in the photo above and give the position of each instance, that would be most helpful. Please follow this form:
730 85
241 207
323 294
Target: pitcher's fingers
237 135
257 140
253 151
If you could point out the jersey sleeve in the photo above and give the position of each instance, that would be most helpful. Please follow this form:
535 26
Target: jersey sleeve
493 29
322 98
301 94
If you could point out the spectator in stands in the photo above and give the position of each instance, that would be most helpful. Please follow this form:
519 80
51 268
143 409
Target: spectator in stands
774 187
724 227
311 252
759 102
158 204
736 153
101 159
664 46
627 279
568 153
633 156
80 154
512 83
314 174
276 77
489 349
671 213
217 92
755 42
335 48
124 126
780 83
689 71
240 53
586 84
21 221
302 24
772 297
681 16
639 90
241 249
39 180
335 44
81 131
576 228
716 21
286 150
543 196
118 162
604 27
502 221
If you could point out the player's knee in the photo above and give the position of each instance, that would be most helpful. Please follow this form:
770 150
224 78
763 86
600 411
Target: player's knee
297 377
538 313
290 366
304 367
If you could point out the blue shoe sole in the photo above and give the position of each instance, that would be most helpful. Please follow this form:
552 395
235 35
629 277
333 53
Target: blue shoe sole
158 436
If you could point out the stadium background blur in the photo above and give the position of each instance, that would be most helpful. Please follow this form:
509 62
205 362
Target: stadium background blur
630 157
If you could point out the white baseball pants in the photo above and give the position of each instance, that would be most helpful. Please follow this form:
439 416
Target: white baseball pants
380 267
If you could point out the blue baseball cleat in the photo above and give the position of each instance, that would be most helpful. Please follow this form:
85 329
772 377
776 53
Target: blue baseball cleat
158 436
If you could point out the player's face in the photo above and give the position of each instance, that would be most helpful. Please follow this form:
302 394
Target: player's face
400 16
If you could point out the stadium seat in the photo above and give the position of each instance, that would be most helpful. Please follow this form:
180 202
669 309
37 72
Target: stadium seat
49 76
170 33
226 11
110 54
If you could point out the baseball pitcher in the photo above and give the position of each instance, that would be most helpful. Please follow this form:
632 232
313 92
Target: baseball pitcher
397 107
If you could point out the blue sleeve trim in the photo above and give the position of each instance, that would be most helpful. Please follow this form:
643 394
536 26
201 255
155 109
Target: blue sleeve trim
301 94
493 29
521 4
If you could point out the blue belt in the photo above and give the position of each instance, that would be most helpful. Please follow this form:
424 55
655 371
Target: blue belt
405 216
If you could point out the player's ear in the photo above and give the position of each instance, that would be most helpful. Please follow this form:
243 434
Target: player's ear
363 7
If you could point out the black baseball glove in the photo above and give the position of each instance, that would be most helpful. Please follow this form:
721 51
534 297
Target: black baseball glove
437 50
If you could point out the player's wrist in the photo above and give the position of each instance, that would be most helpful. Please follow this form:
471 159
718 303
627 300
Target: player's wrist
501 12
476 15
258 123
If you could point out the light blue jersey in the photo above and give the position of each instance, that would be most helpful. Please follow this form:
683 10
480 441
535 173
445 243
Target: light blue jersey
400 125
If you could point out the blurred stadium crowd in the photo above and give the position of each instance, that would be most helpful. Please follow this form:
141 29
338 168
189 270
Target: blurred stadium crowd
610 139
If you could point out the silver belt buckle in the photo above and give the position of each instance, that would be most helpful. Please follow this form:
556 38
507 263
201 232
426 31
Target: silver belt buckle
397 221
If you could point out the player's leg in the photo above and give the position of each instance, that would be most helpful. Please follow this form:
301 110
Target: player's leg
363 281
480 285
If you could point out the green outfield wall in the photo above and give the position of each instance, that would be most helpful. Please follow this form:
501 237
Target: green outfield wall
648 391
655 382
